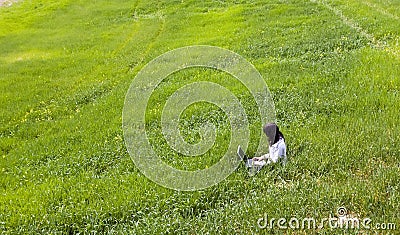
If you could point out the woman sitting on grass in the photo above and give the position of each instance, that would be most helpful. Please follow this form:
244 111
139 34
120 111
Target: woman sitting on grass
277 146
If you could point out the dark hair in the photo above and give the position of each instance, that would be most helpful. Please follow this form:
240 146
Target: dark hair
273 133
278 135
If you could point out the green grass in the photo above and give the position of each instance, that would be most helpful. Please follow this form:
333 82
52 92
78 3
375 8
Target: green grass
65 67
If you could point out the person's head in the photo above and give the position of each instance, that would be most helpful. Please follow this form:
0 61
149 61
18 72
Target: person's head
272 132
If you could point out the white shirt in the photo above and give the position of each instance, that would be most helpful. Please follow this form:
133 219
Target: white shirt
276 151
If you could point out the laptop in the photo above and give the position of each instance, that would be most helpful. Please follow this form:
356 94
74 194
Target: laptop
253 166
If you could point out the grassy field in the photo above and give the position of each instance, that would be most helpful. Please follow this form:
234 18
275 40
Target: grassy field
333 69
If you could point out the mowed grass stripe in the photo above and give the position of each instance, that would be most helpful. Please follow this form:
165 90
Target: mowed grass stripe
380 31
380 9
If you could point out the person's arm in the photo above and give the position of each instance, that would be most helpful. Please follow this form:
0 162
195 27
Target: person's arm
261 158
282 150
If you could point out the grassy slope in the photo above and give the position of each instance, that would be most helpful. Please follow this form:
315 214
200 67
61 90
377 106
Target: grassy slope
65 67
